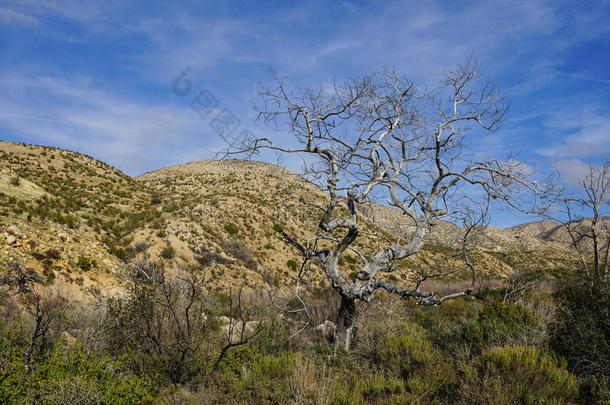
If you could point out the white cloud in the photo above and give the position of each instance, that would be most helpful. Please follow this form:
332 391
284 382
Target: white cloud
572 171
588 134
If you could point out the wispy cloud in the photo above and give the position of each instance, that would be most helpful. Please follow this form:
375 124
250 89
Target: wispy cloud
8 16
578 134
127 112
134 136
587 78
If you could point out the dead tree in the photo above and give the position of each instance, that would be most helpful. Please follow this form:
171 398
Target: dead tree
239 330
161 317
584 217
23 282
380 138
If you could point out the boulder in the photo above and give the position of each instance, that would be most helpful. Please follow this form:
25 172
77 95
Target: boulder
227 323
251 327
68 338
327 329
15 231
10 239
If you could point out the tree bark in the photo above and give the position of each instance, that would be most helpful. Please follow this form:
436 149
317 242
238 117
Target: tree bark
345 323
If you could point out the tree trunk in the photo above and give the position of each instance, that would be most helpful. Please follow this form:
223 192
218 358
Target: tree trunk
345 323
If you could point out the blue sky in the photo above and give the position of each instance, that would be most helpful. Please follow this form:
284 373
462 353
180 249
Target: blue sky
96 77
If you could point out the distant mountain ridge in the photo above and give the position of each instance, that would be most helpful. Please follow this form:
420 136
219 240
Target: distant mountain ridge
82 220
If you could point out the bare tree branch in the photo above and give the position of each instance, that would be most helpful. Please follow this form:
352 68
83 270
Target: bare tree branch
379 138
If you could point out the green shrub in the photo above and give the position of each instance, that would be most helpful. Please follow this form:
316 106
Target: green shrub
168 252
292 265
231 228
371 389
350 259
84 263
581 332
404 353
266 380
412 356
497 324
594 389
517 375
66 374
155 199
120 252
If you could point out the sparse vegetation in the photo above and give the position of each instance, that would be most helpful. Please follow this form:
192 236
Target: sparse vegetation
168 252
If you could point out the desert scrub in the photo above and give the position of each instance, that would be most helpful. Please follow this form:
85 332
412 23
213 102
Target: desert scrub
231 228
168 252
257 379
84 263
241 251
517 374
369 389
411 356
65 371
496 324
292 264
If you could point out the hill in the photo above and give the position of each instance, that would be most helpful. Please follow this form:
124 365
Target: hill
70 216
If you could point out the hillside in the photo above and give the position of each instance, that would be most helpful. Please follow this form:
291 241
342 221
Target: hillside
550 231
68 215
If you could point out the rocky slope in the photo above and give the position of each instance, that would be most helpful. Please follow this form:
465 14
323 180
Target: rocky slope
74 218
550 231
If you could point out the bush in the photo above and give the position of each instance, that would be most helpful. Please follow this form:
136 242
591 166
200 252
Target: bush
231 228
155 199
240 250
292 265
15 181
84 263
168 252
66 374
120 252
160 326
594 389
411 356
263 381
497 324
517 374
370 389
581 332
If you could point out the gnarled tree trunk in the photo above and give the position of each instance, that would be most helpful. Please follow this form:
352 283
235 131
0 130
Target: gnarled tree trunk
345 323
